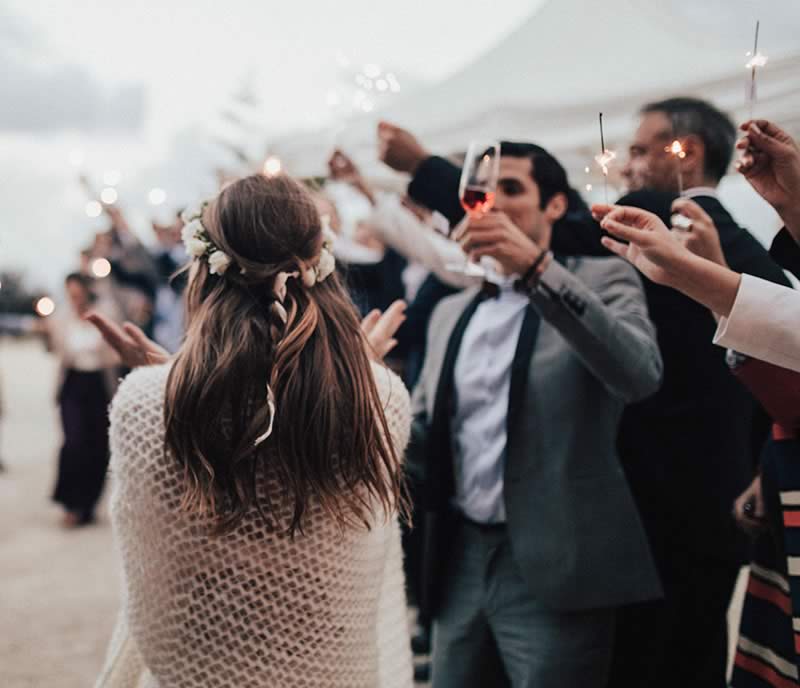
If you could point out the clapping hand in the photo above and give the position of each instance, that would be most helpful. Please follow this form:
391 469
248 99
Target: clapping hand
132 345
380 328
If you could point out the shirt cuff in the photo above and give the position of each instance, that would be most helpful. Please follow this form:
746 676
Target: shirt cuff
761 323
739 326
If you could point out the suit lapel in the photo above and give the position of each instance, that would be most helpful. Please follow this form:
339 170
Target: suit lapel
439 447
521 364
444 388
526 344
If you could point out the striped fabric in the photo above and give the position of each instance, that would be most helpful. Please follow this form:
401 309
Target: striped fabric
768 650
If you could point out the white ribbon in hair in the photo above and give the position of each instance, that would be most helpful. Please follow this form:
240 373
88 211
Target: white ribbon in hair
271 405
279 291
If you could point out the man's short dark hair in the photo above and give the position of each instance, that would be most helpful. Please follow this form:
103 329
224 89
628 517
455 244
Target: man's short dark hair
550 177
700 118
546 171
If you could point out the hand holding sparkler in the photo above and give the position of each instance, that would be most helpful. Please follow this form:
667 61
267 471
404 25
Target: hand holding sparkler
771 164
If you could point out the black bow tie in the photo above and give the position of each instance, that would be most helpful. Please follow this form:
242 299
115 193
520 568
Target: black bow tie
489 290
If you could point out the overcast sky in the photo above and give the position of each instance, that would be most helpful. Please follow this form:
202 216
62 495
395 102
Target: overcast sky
141 87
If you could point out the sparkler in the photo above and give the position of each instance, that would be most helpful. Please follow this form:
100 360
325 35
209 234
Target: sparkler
676 149
756 60
605 158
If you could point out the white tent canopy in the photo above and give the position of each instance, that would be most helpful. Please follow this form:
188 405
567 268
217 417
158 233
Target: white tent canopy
547 80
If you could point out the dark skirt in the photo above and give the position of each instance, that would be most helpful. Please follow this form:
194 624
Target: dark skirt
767 650
83 460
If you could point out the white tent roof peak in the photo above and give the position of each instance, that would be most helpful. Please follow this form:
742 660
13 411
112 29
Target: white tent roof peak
547 80
573 52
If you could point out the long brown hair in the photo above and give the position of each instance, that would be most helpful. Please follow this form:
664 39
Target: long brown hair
330 442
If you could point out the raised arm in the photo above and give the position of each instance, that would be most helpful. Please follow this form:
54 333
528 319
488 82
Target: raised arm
606 324
757 317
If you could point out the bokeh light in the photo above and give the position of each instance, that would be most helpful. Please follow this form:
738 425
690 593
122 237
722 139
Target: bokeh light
45 306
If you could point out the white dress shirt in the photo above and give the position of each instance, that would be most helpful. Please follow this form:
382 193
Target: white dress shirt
764 323
482 379
696 191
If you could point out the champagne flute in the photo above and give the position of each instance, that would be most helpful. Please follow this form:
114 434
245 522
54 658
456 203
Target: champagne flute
476 191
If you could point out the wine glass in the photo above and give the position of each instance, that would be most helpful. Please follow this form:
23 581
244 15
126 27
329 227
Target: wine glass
476 191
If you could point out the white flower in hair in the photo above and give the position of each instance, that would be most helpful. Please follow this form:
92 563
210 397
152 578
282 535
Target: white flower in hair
192 213
328 235
195 247
218 262
326 265
190 230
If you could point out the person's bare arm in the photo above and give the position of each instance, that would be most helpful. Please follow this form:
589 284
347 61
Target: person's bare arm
661 258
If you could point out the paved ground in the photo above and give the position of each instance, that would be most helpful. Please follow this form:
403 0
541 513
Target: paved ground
60 589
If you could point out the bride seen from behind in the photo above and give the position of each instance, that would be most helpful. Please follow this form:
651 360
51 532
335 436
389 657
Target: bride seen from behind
257 477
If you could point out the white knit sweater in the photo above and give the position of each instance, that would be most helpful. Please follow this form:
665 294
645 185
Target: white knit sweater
253 608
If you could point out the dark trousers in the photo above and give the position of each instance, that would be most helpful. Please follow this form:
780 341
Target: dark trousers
681 640
490 632
83 459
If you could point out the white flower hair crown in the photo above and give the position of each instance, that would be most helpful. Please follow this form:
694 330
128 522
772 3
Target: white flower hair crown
199 245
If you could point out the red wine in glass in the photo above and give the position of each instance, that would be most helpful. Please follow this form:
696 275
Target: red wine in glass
476 200
476 191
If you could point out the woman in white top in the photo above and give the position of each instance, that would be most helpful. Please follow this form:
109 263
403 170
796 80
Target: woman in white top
257 476
87 377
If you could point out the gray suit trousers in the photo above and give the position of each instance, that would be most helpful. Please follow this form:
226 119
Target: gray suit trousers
490 632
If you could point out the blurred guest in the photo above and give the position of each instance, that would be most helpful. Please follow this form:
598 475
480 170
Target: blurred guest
766 647
373 272
406 227
395 224
756 317
169 256
685 481
134 277
87 380
524 382
2 465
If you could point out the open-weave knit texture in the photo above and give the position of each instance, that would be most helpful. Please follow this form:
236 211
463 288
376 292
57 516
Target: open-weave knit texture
252 608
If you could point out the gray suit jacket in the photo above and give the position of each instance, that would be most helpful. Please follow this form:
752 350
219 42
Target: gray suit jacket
574 529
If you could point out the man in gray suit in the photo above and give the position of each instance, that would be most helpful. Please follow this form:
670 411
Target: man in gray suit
534 538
